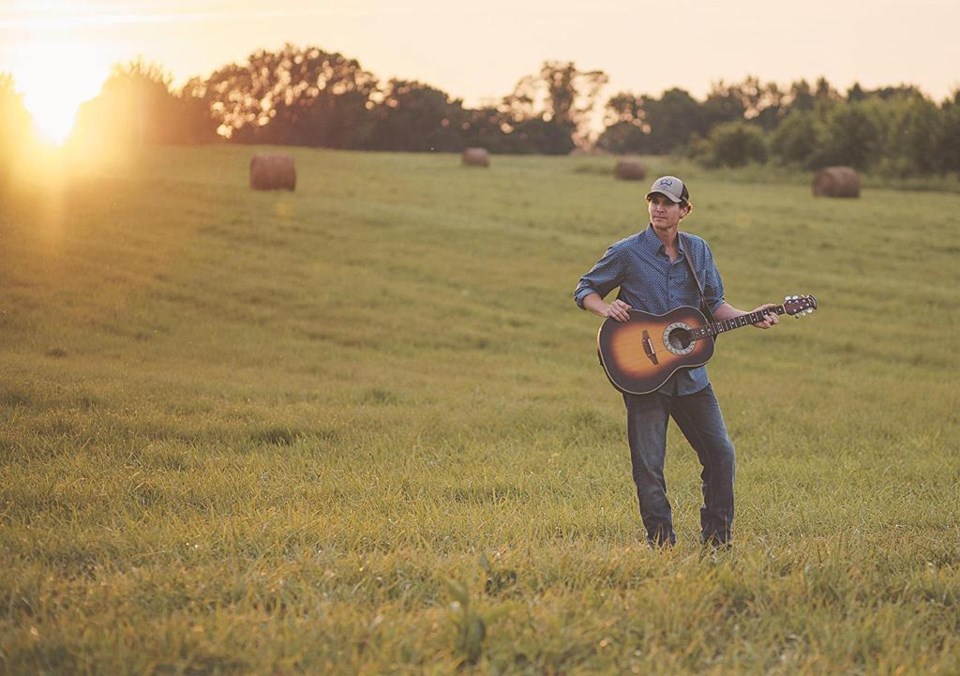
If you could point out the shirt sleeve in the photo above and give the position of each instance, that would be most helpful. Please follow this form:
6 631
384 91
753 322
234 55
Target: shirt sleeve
603 278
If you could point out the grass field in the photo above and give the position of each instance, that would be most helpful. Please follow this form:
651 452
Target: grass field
361 428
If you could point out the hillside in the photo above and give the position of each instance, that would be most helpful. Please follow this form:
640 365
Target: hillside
343 428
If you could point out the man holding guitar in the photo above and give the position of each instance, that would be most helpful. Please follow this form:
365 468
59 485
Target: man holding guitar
652 270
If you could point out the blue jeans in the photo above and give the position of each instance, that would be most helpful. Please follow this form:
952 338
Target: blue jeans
698 417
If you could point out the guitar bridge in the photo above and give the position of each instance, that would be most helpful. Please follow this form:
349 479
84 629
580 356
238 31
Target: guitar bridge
648 347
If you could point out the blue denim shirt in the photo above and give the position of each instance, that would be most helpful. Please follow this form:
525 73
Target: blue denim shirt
648 280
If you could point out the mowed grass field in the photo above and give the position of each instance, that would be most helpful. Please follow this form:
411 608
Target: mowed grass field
361 427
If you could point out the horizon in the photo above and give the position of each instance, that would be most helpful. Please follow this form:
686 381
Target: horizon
452 49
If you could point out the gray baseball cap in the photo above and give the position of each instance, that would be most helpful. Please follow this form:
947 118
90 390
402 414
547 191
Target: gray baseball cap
670 187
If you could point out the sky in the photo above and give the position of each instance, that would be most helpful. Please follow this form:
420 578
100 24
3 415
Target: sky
60 51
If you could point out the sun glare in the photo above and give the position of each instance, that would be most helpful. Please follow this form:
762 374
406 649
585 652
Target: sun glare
55 78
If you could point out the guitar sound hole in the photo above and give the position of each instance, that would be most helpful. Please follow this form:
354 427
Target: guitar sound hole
680 339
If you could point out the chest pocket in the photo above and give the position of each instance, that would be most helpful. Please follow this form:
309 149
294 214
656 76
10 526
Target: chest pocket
682 280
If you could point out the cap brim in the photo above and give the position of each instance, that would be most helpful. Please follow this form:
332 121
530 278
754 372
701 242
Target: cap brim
667 195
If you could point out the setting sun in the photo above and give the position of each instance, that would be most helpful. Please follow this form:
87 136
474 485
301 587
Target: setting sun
55 78
52 67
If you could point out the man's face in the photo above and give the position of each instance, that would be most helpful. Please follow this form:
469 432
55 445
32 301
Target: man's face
664 213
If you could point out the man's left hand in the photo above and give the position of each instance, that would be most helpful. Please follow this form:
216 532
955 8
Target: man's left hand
769 318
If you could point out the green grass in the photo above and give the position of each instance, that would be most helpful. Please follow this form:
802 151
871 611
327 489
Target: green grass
361 427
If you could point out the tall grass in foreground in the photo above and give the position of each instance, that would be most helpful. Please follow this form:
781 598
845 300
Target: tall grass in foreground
362 428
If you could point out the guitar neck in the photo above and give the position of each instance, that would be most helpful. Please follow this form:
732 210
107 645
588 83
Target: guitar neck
724 325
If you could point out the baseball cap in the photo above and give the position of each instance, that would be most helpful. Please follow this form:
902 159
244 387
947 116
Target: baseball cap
671 187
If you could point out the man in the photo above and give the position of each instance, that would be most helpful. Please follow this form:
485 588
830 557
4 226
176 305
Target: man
652 275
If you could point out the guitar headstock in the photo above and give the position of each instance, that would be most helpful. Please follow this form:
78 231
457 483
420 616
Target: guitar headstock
798 306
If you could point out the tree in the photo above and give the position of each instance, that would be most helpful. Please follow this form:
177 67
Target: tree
485 128
625 107
540 136
825 91
15 126
648 125
724 103
856 93
625 125
137 107
294 96
573 95
912 135
674 119
562 98
853 137
768 107
800 98
948 136
416 117
733 144
897 92
747 100
797 138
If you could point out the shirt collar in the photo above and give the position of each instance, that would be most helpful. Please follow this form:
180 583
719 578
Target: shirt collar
652 244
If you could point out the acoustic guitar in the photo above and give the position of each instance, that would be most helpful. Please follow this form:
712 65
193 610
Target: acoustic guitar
640 354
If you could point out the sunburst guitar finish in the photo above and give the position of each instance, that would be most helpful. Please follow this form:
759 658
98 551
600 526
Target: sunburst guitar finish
640 354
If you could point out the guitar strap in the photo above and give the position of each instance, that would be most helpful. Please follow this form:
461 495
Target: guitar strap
693 271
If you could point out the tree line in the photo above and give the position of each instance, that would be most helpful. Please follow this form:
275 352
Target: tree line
310 97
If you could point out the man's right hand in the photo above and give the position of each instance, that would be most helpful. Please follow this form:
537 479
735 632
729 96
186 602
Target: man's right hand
617 310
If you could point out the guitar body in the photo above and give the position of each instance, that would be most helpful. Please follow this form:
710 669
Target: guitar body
641 354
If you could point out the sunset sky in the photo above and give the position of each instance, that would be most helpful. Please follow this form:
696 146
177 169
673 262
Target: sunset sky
60 51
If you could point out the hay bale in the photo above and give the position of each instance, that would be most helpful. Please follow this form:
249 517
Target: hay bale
475 157
836 182
272 172
630 169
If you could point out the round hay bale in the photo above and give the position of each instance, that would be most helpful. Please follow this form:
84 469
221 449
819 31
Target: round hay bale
836 182
272 172
630 169
475 157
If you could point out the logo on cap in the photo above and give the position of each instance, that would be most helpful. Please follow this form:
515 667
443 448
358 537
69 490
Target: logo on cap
666 181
